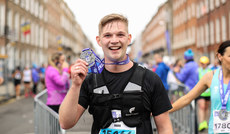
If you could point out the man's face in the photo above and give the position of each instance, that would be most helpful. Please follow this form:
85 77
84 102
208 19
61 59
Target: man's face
114 39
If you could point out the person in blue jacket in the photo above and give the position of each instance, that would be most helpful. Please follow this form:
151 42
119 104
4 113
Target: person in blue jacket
189 73
35 78
162 69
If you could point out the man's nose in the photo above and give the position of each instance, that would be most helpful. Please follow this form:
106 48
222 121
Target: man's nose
114 39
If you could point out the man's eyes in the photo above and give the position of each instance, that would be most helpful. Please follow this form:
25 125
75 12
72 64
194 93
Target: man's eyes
107 35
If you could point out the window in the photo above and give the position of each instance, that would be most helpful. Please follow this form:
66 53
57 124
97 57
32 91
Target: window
16 26
23 3
41 12
2 19
16 1
36 8
9 21
27 4
36 35
217 31
41 43
207 6
217 4
211 3
223 1
45 15
224 32
198 10
46 39
206 34
193 10
211 32
198 37
32 6
202 36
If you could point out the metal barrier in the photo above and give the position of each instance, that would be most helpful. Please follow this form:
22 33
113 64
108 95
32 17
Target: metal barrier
183 120
46 120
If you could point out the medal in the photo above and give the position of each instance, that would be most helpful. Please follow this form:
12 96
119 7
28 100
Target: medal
96 65
223 114
88 56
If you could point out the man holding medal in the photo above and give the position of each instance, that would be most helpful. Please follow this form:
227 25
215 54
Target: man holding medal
120 94
219 83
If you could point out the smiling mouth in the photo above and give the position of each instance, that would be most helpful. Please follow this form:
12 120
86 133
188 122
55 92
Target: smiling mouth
114 48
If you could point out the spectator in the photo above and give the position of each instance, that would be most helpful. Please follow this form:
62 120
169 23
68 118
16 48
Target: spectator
218 82
17 76
203 100
42 70
35 78
162 69
56 80
27 78
189 73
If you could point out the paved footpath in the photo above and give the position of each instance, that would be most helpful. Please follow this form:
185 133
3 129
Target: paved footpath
17 117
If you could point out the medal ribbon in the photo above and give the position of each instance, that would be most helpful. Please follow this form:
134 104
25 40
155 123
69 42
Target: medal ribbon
99 64
224 96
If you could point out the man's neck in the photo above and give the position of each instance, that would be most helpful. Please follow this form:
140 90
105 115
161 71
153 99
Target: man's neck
119 68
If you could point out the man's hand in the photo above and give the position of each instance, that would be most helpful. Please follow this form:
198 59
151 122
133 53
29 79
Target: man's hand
79 71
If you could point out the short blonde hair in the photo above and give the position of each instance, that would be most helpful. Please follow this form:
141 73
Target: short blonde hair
110 18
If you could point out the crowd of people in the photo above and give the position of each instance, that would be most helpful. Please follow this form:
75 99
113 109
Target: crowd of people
44 77
188 72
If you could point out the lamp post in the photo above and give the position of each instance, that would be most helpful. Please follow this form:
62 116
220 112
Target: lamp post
167 36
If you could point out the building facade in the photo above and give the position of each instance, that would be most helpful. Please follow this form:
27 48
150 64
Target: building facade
31 30
197 24
213 25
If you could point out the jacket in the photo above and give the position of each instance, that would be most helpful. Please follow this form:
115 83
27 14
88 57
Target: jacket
56 86
162 71
189 74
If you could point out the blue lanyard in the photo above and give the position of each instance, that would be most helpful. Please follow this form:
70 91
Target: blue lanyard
224 96
99 64
126 61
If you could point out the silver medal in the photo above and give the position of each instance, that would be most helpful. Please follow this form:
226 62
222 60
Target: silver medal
223 114
89 57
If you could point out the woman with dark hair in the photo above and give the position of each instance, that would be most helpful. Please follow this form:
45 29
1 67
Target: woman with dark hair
56 80
219 83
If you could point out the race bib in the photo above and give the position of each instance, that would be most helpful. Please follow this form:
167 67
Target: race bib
221 124
118 127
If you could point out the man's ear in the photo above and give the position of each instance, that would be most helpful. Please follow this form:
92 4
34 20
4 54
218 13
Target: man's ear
98 40
130 38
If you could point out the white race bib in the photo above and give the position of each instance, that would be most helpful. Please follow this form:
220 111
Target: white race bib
220 126
118 127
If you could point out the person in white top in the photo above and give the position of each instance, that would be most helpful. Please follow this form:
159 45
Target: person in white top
27 78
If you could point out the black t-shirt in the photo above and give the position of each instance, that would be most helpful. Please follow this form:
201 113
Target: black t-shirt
155 96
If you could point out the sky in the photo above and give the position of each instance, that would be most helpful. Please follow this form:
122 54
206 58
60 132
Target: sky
89 12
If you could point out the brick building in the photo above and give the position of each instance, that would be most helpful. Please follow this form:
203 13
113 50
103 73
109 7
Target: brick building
213 25
52 27
157 32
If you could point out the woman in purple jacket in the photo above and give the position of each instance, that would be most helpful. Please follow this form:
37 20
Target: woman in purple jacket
189 73
56 81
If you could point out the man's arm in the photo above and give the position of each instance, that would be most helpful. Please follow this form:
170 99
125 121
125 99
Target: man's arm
70 111
163 123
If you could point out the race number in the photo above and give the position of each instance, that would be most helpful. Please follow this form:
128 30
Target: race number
116 131
219 125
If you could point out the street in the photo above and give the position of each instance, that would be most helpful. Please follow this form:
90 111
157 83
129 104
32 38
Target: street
17 117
